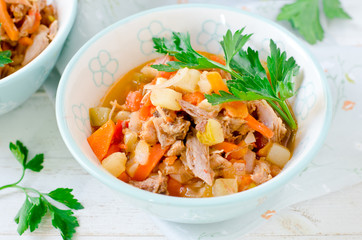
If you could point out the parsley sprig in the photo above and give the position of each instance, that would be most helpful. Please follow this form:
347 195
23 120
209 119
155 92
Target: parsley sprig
36 204
304 15
249 77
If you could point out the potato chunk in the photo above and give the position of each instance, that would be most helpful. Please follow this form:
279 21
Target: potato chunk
224 186
115 163
189 80
213 133
278 154
166 98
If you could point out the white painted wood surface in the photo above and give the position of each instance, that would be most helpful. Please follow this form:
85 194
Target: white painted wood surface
337 216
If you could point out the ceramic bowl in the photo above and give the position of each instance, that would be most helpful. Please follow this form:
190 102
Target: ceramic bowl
19 86
127 43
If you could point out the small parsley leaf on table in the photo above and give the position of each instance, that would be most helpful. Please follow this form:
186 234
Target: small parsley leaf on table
36 205
304 15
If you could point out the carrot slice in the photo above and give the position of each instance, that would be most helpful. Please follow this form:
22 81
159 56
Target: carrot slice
133 101
258 126
26 41
216 82
124 177
7 22
112 149
175 188
101 139
193 98
143 171
226 146
236 109
37 16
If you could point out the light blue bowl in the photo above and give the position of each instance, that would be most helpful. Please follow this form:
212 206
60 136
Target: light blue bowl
127 44
16 88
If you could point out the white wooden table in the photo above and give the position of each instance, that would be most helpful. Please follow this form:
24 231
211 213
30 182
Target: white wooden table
337 216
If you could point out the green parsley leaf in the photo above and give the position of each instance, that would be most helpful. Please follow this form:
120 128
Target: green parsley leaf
180 47
304 16
5 58
37 212
35 164
223 97
281 72
64 221
63 195
333 9
232 43
22 218
19 151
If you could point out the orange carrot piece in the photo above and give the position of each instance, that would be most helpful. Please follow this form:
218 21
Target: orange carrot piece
217 59
7 22
124 177
146 108
26 41
238 153
101 139
245 182
175 188
258 126
163 74
133 101
170 160
236 109
216 82
143 171
112 149
193 98
36 24
226 146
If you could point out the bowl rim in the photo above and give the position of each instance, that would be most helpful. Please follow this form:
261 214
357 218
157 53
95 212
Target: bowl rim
143 195
59 38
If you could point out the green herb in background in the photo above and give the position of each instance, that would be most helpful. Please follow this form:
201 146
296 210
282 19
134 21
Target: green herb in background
304 16
249 78
36 204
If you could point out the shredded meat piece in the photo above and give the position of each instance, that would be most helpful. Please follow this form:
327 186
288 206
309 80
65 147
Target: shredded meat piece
177 171
169 132
22 2
156 183
40 42
199 115
135 123
217 162
269 118
197 159
231 125
148 132
176 149
261 172
19 11
53 29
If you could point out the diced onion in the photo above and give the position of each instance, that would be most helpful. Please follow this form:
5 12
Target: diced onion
250 138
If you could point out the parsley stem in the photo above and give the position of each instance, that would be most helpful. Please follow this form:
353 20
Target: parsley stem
285 108
14 184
